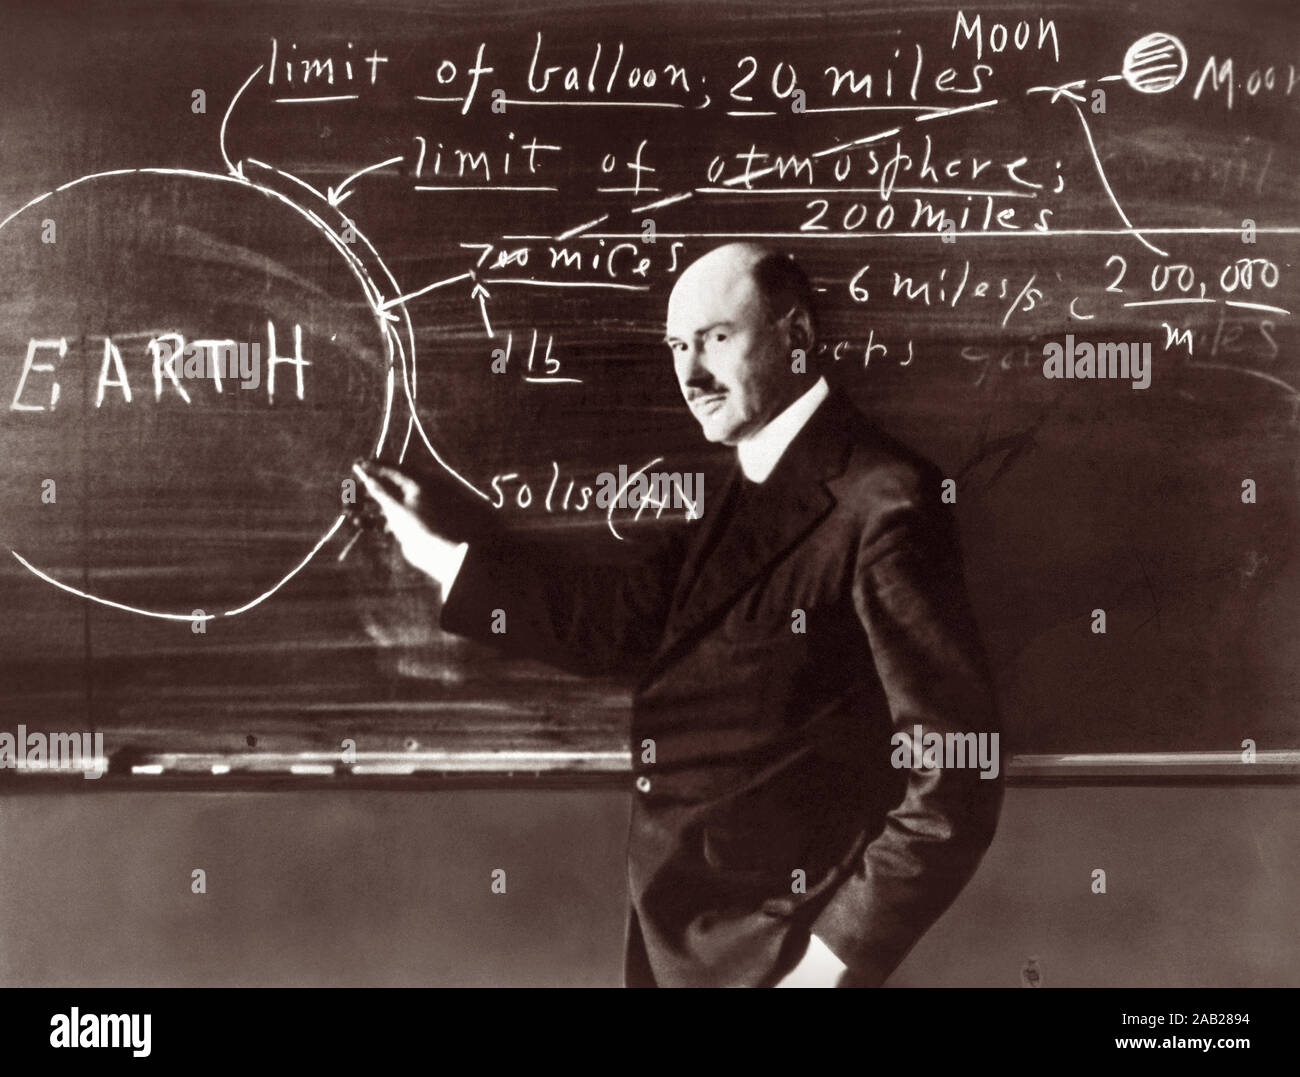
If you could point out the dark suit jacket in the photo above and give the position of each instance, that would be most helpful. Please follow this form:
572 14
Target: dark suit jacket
772 747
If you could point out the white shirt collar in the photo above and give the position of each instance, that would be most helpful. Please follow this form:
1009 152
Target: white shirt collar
760 451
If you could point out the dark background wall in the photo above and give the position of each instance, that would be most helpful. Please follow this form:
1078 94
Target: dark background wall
393 889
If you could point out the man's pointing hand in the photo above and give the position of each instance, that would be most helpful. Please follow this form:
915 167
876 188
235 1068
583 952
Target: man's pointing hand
408 515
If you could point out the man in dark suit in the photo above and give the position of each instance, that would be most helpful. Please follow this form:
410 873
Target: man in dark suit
790 648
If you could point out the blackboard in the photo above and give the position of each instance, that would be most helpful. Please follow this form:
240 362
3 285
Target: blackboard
388 199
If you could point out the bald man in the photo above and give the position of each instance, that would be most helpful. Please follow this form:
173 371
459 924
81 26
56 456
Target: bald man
785 647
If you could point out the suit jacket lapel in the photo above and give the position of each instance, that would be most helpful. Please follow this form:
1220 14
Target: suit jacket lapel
770 520
713 524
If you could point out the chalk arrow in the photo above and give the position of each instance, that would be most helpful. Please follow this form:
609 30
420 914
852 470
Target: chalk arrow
234 169
390 303
336 195
482 295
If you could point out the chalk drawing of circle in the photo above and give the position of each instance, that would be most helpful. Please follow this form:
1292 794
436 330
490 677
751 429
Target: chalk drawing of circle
185 486
1155 63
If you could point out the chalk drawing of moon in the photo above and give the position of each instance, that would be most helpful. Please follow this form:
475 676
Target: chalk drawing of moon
1155 63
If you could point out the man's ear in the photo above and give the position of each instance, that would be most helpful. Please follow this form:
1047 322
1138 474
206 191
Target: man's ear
801 330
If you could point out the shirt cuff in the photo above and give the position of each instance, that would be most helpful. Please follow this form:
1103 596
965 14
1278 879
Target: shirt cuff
825 953
448 567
